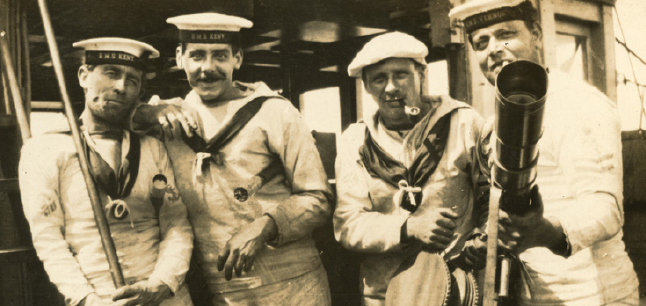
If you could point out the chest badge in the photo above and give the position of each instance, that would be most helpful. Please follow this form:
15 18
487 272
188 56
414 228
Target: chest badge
240 194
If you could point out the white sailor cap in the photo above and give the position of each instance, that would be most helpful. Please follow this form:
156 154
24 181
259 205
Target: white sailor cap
392 44
478 14
116 50
209 27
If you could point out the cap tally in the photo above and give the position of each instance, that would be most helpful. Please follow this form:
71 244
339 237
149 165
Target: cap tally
483 13
116 50
209 27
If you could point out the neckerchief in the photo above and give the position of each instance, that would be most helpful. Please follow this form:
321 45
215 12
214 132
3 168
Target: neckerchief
117 186
230 130
380 164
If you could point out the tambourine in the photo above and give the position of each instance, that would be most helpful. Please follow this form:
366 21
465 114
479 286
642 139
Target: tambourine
426 280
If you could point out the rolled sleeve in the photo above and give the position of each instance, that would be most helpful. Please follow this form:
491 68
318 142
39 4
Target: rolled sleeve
591 157
309 205
39 181
356 225
282 219
476 136
141 124
141 120
597 219
176 236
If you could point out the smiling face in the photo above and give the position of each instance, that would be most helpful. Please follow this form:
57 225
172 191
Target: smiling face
395 83
209 68
506 42
111 91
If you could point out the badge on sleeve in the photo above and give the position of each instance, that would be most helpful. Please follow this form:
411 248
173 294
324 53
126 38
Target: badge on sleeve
48 209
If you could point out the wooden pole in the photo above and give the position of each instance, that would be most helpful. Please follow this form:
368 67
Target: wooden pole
16 96
99 216
490 297
26 67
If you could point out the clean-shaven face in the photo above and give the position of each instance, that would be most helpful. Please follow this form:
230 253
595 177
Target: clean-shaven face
505 42
209 68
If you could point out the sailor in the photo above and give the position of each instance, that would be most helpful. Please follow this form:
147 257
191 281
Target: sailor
571 246
153 244
248 170
408 186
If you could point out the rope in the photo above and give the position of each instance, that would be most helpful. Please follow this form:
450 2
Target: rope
623 44
622 78
632 67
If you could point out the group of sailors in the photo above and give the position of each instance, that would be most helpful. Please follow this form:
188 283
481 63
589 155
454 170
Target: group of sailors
232 170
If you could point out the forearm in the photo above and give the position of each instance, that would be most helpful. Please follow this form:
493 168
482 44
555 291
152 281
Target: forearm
147 118
308 206
477 140
176 246
143 121
481 212
553 237
365 231
62 268
481 196
297 216
357 224
591 164
269 228
591 219
39 183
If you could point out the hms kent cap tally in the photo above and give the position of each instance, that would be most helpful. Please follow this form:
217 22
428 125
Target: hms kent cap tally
209 27
116 50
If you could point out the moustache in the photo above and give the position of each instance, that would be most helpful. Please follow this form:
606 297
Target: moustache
210 78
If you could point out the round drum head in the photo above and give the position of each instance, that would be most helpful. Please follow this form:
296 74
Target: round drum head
422 280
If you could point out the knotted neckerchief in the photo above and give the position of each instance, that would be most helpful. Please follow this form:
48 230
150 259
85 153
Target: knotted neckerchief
205 151
116 186
380 164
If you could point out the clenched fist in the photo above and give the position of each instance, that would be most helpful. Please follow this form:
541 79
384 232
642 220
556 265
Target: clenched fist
434 228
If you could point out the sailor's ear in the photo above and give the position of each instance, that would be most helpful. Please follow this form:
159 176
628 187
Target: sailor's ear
83 74
178 56
238 56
